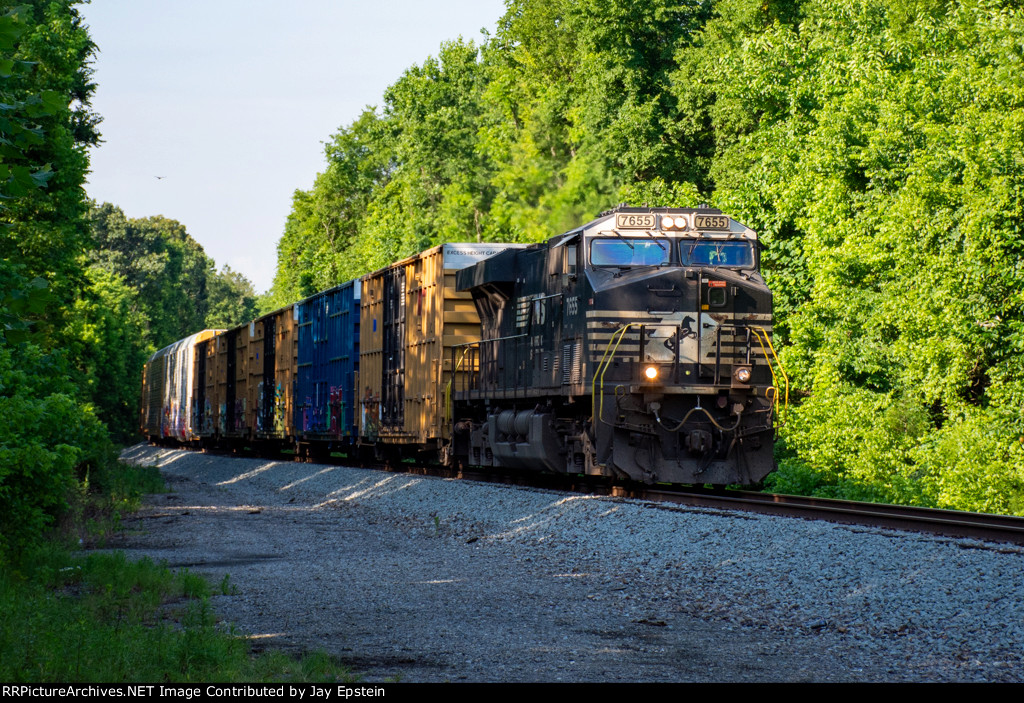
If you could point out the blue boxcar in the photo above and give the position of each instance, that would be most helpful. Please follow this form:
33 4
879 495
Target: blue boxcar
328 366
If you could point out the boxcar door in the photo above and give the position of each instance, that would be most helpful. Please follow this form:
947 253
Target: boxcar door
269 386
229 395
393 363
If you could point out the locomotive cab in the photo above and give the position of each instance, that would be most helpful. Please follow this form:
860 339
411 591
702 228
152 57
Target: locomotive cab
635 346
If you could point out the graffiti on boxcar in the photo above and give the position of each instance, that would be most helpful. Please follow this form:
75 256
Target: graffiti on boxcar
371 414
325 419
179 420
312 417
308 415
279 407
239 415
276 419
337 412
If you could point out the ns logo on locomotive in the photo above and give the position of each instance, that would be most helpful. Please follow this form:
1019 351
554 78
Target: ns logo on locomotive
637 346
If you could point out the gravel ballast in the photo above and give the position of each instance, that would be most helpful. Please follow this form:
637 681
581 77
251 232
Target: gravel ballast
427 579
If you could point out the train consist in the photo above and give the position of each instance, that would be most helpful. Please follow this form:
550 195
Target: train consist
637 346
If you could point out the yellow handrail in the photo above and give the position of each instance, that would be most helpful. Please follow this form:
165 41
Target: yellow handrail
448 388
762 339
603 366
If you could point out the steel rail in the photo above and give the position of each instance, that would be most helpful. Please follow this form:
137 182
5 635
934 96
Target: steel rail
949 523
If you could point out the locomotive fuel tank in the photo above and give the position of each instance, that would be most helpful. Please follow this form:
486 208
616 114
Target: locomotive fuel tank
635 346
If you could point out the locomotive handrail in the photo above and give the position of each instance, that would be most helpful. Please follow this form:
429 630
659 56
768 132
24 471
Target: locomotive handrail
469 346
597 384
603 365
762 335
762 338
493 339
451 379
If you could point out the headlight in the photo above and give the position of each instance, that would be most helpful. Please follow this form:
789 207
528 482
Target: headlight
742 374
651 372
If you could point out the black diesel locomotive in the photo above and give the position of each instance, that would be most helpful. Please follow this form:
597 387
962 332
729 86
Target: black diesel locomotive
637 346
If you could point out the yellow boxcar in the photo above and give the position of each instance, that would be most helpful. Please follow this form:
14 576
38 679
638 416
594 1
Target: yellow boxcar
413 323
231 383
273 357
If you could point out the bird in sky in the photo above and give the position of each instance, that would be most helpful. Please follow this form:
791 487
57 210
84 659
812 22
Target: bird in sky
159 178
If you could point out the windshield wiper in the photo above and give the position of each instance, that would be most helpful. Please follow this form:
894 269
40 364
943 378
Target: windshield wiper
689 254
628 243
649 234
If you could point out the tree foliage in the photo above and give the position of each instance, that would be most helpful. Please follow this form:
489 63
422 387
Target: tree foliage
565 110
158 259
49 435
46 127
233 299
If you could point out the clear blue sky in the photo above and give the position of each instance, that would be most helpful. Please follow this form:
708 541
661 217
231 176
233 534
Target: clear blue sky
230 101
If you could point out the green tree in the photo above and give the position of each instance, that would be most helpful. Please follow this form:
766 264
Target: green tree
323 229
48 435
581 112
109 344
156 257
46 86
233 300
564 111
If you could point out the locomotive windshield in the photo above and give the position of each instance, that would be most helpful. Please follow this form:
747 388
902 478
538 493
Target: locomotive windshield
717 253
628 252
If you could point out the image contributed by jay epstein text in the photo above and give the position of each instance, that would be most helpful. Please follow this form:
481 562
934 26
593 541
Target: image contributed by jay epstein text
189 692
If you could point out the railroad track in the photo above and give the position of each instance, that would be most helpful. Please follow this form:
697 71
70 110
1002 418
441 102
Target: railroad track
950 523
